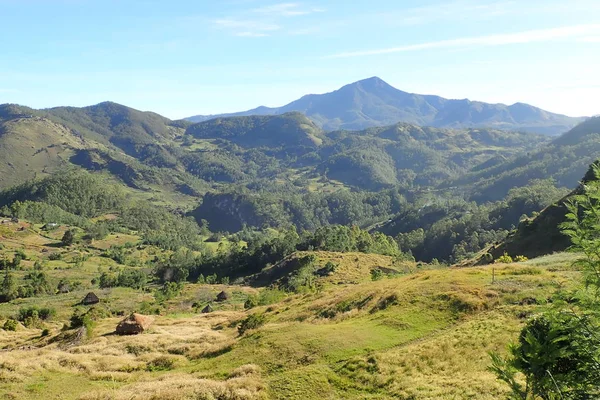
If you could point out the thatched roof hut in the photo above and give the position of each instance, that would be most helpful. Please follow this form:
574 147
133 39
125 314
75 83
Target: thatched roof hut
223 296
89 299
134 324
207 309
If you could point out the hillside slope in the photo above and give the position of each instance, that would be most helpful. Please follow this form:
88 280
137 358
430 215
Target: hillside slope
423 334
373 102
565 159
540 235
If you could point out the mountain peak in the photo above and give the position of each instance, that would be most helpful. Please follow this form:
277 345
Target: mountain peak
372 82
373 102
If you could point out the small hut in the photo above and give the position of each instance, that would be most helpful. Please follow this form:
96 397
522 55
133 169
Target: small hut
223 296
90 299
207 309
134 324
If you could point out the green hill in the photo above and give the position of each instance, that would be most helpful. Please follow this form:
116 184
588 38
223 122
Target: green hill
540 235
289 130
565 159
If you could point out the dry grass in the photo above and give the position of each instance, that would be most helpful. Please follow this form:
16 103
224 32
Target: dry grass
244 383
423 335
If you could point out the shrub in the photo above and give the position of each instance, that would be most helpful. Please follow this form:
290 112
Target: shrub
47 313
253 321
33 313
162 363
504 259
168 291
10 325
45 332
251 302
86 319
270 296
54 256
521 258
376 274
328 269
68 238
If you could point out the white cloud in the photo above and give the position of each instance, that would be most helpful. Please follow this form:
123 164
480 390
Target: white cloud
589 39
287 10
260 22
532 36
247 27
251 34
233 23
461 9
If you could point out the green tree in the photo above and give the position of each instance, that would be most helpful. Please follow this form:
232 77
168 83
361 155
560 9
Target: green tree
559 351
68 238
8 291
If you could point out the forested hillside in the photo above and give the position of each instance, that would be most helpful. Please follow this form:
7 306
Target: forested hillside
565 159
441 193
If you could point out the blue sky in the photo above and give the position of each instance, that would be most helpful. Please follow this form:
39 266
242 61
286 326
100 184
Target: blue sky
184 57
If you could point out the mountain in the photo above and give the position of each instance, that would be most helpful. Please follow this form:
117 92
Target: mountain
373 102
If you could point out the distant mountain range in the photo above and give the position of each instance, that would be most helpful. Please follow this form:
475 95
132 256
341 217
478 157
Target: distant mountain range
373 102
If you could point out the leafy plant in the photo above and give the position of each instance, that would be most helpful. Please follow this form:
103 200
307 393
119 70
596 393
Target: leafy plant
253 321
504 259
10 325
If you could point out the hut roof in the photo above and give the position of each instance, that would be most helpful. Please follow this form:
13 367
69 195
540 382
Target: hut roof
207 309
222 296
90 298
134 324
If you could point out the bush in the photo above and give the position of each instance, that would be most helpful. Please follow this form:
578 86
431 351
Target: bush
161 363
376 274
86 319
47 313
251 302
33 313
168 291
253 321
270 296
521 258
68 238
10 325
504 259
328 269
45 332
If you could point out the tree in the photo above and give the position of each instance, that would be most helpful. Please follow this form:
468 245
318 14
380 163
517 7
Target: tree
559 351
8 291
68 238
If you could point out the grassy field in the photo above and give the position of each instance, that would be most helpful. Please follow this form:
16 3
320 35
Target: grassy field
420 334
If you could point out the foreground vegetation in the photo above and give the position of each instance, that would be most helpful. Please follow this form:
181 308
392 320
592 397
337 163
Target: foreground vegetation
413 331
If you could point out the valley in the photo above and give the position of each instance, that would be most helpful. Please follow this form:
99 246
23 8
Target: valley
268 257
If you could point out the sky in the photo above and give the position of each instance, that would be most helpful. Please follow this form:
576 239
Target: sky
187 57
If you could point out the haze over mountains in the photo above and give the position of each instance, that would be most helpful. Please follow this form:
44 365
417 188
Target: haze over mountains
373 102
